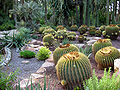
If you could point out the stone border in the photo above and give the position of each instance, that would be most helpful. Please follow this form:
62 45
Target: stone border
6 58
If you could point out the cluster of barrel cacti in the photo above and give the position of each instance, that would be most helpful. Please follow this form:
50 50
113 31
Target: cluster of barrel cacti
104 53
111 31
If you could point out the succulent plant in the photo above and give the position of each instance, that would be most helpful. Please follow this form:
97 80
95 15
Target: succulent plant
60 27
92 30
41 29
102 28
63 49
81 38
49 31
74 28
82 29
111 31
27 54
71 35
105 57
73 68
101 43
61 34
98 33
48 39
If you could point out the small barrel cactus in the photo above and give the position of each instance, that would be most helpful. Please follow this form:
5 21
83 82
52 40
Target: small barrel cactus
105 57
81 38
92 30
98 33
41 29
49 39
111 31
63 49
49 31
82 29
101 43
73 68
61 34
74 28
102 28
60 27
71 35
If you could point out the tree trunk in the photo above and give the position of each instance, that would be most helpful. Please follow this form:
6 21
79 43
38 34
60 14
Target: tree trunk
77 15
107 10
81 13
45 3
87 22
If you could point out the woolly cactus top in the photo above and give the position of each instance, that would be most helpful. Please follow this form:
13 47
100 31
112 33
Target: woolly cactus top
103 40
106 50
64 46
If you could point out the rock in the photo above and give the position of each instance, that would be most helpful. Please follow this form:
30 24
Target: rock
27 82
41 70
25 62
33 42
79 45
91 42
47 64
119 50
50 59
39 42
117 65
34 46
36 76
30 48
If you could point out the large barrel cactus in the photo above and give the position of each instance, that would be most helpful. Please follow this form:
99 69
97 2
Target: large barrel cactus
73 68
111 31
105 57
63 49
101 43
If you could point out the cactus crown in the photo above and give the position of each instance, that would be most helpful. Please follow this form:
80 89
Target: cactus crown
71 56
106 51
103 40
64 46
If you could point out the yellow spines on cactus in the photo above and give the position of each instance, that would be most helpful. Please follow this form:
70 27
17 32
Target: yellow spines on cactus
63 49
73 68
101 43
112 31
49 31
105 57
48 39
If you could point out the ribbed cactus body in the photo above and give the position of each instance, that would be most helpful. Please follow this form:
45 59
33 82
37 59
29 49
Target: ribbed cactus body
105 57
63 49
112 31
48 38
73 68
101 43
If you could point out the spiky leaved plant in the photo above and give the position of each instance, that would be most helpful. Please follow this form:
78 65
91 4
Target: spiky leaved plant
100 43
105 57
111 31
63 49
73 68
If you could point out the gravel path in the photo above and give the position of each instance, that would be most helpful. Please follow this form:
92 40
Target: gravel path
25 69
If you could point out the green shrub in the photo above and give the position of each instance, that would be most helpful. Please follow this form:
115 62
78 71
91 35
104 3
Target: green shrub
43 53
27 54
105 83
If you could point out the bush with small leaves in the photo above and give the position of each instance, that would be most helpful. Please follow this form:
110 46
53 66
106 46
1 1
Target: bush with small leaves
27 54
43 53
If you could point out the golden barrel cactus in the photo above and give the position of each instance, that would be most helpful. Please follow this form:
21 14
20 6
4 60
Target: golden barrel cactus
73 68
105 57
63 49
101 43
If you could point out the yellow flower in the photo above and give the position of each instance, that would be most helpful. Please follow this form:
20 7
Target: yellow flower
63 82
